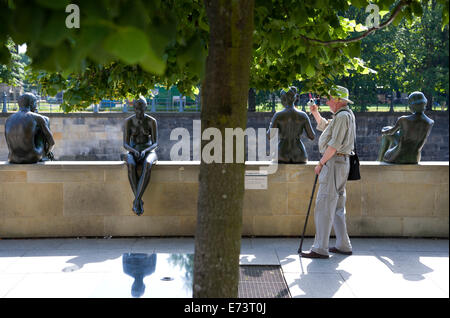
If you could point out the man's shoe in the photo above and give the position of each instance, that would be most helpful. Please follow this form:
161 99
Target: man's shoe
335 250
312 254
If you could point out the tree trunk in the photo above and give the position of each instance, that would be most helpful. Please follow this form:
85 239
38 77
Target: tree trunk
251 100
391 107
221 185
429 98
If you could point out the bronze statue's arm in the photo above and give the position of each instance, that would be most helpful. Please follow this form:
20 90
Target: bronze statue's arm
308 128
154 136
273 125
390 131
49 141
126 138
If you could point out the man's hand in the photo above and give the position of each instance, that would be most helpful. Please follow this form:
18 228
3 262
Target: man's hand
313 108
318 168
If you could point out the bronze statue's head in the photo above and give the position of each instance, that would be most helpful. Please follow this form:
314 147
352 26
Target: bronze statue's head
417 102
140 105
288 98
27 100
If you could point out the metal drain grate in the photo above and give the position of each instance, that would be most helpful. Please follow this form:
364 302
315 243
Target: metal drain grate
262 281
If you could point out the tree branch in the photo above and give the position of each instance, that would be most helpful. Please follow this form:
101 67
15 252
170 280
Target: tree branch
396 11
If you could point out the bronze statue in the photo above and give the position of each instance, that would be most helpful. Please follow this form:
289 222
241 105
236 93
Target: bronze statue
403 142
27 133
140 138
291 123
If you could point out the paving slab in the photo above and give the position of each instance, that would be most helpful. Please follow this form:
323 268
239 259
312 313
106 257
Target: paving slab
318 285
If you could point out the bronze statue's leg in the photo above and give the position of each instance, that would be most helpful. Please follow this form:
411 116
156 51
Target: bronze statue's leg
387 142
299 154
383 148
144 180
132 175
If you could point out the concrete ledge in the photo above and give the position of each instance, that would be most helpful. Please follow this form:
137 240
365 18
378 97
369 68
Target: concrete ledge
93 198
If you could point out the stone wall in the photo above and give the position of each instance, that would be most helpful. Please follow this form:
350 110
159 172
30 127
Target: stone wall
67 199
87 136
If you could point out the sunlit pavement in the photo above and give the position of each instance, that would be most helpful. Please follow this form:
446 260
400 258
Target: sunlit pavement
125 267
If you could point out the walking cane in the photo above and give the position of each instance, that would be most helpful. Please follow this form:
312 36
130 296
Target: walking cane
307 214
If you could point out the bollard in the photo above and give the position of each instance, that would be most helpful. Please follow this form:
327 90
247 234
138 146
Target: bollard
5 110
181 104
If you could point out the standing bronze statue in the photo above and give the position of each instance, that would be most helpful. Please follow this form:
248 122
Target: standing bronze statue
291 123
27 133
403 142
140 138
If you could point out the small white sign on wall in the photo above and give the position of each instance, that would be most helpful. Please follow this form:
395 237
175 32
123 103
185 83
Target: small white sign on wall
255 180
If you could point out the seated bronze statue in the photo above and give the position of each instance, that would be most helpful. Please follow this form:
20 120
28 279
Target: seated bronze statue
140 138
291 123
28 134
403 142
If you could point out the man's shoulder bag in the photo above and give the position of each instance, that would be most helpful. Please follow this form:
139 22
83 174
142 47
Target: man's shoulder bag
354 167
354 163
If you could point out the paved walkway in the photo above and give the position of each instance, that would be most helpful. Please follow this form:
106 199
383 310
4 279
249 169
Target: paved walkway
379 267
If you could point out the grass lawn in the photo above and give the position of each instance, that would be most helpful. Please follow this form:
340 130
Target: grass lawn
325 108
54 108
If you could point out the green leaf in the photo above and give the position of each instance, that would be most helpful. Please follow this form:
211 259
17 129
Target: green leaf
383 12
398 18
354 49
54 30
128 44
310 70
417 8
360 28
54 4
360 3
153 63
5 56
27 24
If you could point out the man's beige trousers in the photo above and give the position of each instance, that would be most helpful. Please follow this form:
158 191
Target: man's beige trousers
330 206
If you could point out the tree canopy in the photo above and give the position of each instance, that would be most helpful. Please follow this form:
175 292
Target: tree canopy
123 48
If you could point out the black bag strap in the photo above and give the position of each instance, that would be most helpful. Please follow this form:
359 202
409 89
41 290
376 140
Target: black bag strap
354 121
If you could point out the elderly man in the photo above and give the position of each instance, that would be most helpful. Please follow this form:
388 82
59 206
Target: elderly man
28 134
336 143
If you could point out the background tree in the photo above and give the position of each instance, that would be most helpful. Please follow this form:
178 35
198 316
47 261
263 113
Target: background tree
12 73
267 43
408 57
